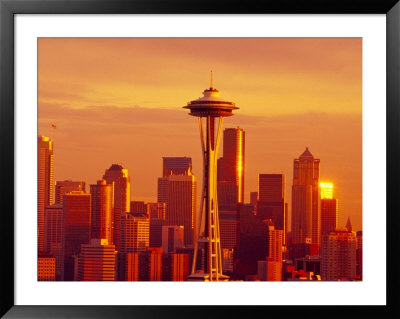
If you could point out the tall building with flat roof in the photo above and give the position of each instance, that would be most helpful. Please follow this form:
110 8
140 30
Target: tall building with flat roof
305 199
271 199
329 209
63 187
102 216
119 177
53 236
231 164
45 183
177 166
338 255
96 261
77 228
181 204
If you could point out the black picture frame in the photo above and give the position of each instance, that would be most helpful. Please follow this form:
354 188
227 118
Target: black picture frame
8 8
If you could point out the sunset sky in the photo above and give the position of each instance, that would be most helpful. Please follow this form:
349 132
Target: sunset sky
120 101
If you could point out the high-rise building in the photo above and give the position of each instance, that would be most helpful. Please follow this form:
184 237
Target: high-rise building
181 204
63 187
305 199
271 199
156 210
156 232
96 261
102 211
134 232
329 209
45 183
53 236
359 255
77 227
119 177
175 267
271 268
177 166
172 238
231 165
138 207
208 109
46 267
338 255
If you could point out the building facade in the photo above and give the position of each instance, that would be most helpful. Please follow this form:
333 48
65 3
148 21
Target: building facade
45 183
306 199
102 216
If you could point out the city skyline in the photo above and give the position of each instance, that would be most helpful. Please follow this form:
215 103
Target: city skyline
283 129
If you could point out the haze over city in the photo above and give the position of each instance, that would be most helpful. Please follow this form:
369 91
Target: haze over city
120 101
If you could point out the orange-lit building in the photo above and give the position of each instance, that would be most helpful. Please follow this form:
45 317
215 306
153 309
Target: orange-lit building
175 267
177 166
102 216
156 210
134 232
46 267
181 204
45 183
271 268
140 266
271 200
231 164
96 261
77 227
172 238
119 178
305 199
63 187
338 255
329 209
53 236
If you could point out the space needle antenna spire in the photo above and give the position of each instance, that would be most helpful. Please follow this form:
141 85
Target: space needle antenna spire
210 109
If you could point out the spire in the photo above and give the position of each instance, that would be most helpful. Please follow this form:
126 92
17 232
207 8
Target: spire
211 81
348 224
306 153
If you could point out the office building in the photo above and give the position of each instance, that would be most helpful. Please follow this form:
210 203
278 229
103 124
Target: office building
176 166
181 204
271 200
231 164
96 261
63 187
134 232
45 183
46 267
119 177
305 199
329 209
338 255
102 211
172 238
53 236
77 228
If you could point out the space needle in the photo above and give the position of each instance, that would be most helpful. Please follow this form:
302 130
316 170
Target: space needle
207 261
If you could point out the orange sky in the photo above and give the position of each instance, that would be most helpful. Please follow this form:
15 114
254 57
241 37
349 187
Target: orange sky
119 100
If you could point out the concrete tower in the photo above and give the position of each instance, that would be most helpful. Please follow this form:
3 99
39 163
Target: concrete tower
210 107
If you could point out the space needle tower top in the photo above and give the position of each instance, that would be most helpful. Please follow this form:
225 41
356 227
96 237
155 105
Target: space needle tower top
211 104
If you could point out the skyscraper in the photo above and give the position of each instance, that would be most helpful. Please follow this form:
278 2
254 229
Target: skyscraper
119 177
271 199
338 255
53 236
176 166
102 211
45 183
210 107
305 199
63 187
231 165
96 261
77 220
172 238
134 232
329 209
181 204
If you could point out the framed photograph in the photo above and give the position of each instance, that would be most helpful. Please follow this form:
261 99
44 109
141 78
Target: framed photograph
111 84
